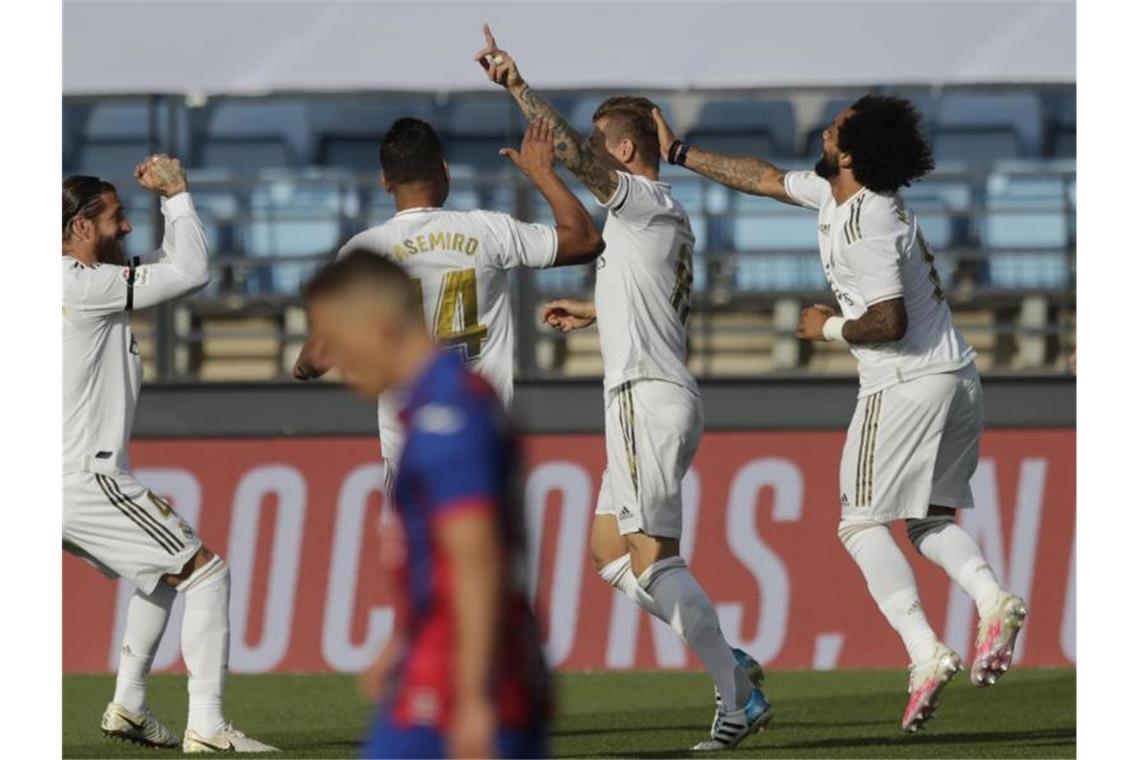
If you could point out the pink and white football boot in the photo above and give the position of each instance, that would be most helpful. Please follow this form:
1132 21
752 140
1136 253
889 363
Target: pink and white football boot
927 681
997 634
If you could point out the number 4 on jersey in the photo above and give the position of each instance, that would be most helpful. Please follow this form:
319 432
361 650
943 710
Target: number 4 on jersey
456 322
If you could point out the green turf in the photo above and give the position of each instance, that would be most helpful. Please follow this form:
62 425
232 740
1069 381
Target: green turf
1032 713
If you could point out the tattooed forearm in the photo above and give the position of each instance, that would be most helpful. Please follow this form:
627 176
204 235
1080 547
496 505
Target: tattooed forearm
883 322
745 173
570 148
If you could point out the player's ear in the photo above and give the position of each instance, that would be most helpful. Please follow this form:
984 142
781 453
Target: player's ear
845 161
446 171
626 150
384 183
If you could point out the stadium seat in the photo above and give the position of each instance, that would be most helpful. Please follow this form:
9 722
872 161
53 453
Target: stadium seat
762 224
476 128
115 137
1063 126
981 128
1020 270
246 136
772 271
294 216
1025 207
348 133
755 127
942 203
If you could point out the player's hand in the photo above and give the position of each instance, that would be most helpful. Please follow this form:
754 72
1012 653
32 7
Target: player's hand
375 681
566 315
162 174
500 67
473 729
536 156
811 321
665 134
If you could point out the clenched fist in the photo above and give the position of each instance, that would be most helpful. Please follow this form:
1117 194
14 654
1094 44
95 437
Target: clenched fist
162 174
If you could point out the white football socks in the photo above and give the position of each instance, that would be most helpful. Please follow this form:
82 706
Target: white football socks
147 615
688 610
891 583
619 574
955 551
206 643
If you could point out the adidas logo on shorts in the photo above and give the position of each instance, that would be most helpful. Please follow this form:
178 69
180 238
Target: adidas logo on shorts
625 514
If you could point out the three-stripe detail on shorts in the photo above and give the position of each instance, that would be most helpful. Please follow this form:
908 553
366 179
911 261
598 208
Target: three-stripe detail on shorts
625 417
139 516
865 463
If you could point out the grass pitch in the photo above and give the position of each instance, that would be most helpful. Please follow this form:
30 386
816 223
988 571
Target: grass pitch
850 714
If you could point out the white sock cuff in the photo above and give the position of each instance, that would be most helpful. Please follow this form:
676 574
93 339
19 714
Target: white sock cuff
613 572
208 573
659 569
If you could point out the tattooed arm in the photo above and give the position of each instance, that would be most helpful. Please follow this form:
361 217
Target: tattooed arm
744 173
569 146
883 322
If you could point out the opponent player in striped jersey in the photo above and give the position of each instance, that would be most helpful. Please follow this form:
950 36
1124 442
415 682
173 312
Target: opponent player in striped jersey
471 681
110 518
653 412
913 442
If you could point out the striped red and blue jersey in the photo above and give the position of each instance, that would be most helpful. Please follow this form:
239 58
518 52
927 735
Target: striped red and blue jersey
461 456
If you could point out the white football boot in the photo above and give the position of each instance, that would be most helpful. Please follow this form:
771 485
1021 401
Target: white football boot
141 727
731 728
927 681
996 636
229 739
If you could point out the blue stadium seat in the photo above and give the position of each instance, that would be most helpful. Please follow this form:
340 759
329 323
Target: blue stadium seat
985 127
762 224
721 119
476 129
249 135
139 207
348 133
942 204
114 138
1019 270
293 215
769 271
1063 137
1025 209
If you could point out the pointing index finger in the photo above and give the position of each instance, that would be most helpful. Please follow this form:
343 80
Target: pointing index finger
490 38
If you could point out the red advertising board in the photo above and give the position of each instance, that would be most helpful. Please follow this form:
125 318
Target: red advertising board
296 520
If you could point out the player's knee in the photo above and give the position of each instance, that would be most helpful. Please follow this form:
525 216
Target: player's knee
849 531
201 559
918 529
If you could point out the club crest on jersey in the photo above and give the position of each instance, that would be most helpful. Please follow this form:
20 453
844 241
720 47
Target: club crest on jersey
142 276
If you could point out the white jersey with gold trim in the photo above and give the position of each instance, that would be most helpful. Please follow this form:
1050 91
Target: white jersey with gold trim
460 261
872 250
644 282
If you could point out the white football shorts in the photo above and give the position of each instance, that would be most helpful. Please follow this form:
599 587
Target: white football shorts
653 428
913 445
117 524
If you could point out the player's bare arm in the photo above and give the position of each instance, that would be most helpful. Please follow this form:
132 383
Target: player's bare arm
471 544
569 146
579 241
883 322
565 314
747 174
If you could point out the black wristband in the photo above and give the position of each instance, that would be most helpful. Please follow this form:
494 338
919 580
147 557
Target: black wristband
682 153
672 155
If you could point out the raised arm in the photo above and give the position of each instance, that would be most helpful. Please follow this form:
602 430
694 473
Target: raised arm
747 174
572 150
579 241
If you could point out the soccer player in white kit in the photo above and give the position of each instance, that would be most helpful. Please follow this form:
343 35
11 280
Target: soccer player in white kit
653 412
912 445
109 518
460 260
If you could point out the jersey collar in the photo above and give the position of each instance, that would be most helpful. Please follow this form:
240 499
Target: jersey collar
418 210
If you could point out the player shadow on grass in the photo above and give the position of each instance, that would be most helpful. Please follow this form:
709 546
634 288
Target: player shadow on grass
1036 738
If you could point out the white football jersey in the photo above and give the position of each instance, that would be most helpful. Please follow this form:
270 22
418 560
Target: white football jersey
872 250
644 284
102 370
459 261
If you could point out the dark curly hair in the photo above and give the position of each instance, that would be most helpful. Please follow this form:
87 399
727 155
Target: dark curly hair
411 151
885 141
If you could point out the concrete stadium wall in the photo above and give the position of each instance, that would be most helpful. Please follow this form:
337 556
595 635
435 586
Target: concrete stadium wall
565 406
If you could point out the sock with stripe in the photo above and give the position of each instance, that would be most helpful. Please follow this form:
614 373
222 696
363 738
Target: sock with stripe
147 615
688 610
944 543
891 583
619 574
206 644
